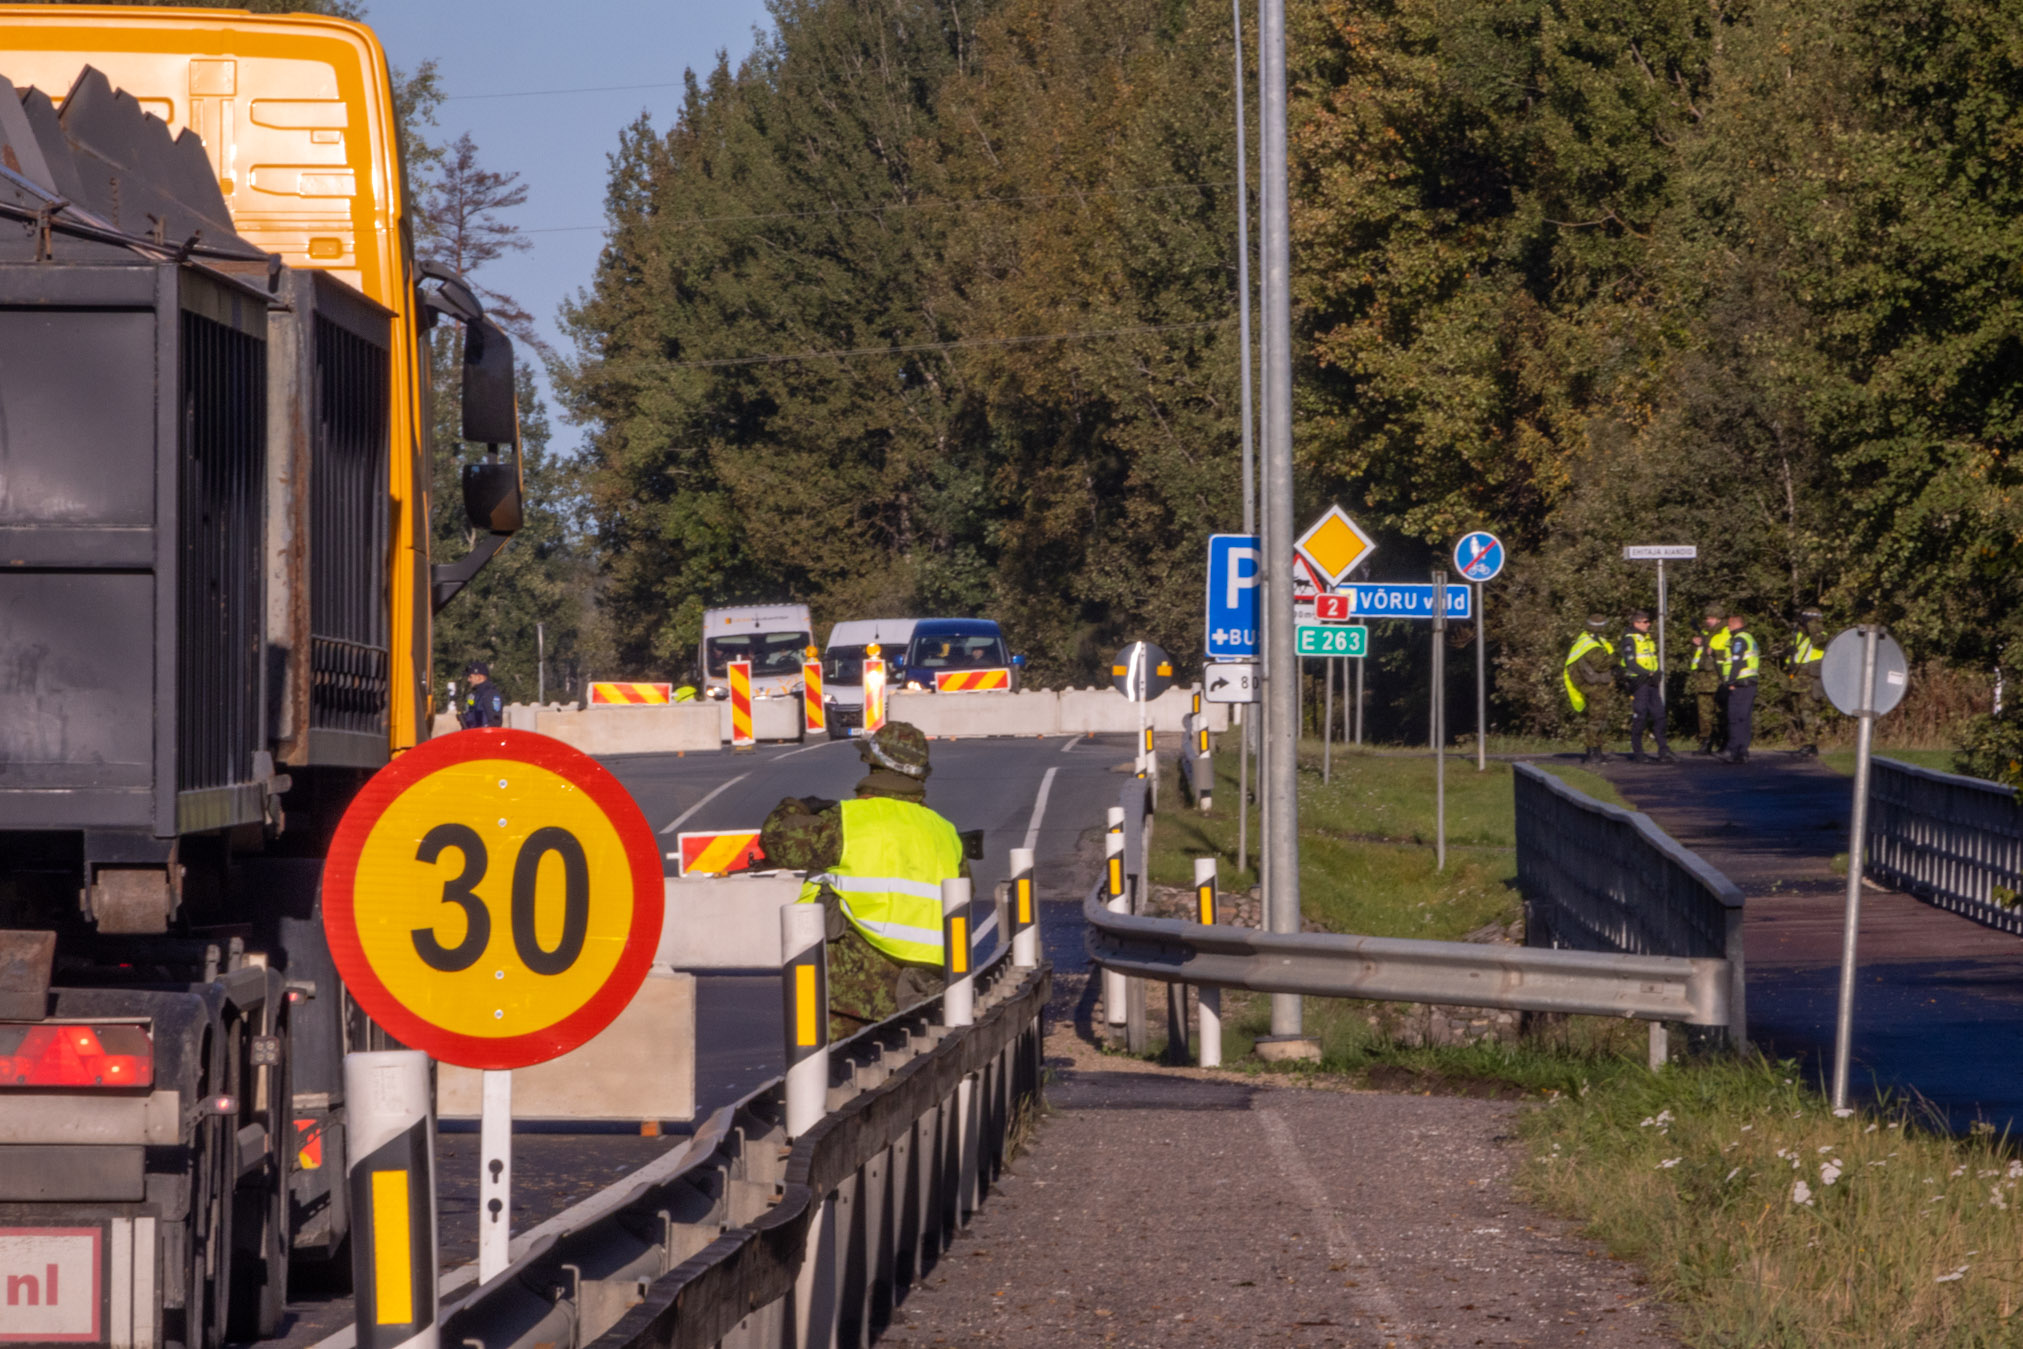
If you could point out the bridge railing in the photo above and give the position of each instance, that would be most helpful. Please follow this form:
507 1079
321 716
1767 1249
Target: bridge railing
1955 842
1597 877
1703 987
745 1237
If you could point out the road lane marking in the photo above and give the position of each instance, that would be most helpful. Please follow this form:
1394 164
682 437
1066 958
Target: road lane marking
1073 741
1293 1165
682 818
804 749
1039 809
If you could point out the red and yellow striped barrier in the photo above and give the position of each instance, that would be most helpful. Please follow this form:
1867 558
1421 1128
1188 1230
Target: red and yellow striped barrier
972 681
717 852
741 703
816 716
874 693
626 693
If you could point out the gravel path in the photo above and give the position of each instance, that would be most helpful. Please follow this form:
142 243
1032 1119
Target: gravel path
1175 1207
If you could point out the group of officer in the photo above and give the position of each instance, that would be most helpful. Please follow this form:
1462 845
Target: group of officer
1724 674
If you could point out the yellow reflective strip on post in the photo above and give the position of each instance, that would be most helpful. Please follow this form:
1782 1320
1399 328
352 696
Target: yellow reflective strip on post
958 944
1116 877
1024 886
392 1250
1206 894
807 1031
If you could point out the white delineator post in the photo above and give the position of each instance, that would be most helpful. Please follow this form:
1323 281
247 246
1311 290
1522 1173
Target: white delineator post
1117 901
1208 999
958 997
804 967
1025 924
495 1174
390 1161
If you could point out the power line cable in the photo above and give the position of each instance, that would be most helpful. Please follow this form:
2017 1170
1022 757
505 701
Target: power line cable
783 358
944 203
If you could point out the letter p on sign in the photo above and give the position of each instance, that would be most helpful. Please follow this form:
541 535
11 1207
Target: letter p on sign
1239 579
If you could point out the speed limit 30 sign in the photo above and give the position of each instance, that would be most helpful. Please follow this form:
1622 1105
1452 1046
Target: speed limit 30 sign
493 898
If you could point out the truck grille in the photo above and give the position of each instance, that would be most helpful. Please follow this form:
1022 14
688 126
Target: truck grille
348 506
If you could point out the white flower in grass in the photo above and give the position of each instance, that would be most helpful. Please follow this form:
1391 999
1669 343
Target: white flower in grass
1959 1170
1954 1277
1669 1163
1826 1149
1997 1199
1801 1193
1731 1175
2015 1171
1829 1171
1843 1112
1871 1129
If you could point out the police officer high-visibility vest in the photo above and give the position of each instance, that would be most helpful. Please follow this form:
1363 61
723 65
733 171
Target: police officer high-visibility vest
1583 644
1713 652
1741 659
895 856
1640 652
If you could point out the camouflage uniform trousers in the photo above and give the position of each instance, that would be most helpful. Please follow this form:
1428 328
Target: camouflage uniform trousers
1808 708
865 984
1705 686
1603 715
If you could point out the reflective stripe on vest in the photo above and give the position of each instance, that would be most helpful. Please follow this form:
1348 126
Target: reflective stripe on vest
1583 644
1740 645
1642 649
895 856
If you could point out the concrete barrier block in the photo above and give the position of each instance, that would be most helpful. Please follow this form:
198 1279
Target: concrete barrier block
640 1067
1026 713
725 922
443 723
772 719
632 730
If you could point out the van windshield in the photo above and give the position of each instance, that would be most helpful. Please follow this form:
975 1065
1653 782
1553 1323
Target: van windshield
771 653
974 650
843 665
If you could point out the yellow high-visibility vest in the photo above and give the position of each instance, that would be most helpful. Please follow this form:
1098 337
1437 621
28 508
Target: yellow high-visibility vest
1642 652
1741 648
1805 653
1583 644
895 856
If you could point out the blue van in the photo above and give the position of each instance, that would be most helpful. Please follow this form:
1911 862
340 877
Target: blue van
957 644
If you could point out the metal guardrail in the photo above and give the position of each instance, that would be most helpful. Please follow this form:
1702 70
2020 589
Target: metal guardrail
1599 878
1700 990
740 1238
1955 842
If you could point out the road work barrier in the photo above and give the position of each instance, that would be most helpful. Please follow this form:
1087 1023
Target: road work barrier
746 1235
1701 990
1597 877
1046 712
1955 842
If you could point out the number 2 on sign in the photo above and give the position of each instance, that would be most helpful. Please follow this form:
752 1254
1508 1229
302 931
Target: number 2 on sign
462 892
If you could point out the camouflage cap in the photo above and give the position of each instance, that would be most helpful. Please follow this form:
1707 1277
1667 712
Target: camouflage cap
1597 623
1810 615
1715 611
897 745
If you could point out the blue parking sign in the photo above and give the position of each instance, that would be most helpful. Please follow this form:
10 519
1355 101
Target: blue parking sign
1232 597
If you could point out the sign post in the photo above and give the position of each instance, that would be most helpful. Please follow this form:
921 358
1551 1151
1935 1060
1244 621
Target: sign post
1141 672
1439 718
1661 553
493 899
1479 557
1865 675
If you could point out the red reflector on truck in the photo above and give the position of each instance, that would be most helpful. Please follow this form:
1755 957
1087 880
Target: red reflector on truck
50 1055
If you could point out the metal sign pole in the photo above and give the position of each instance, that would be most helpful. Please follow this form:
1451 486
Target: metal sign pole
1438 718
1662 667
1327 720
1843 1022
1481 684
1281 705
495 1174
1242 790
1359 698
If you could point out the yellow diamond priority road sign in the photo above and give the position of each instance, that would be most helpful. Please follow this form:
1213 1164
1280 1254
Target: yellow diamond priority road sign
1334 545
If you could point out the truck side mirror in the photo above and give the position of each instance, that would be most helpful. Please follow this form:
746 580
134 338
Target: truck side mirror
491 401
492 495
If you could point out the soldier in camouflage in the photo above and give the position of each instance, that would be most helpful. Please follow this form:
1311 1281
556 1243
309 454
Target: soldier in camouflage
878 960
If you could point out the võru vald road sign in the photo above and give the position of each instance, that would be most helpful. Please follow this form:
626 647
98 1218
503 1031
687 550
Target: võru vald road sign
1403 600
1332 639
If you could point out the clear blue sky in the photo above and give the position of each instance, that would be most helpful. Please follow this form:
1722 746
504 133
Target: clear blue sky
558 142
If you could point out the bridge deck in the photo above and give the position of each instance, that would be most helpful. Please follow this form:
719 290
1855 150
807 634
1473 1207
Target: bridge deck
1939 1006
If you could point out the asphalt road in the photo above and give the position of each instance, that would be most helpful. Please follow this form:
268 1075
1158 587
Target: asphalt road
1047 794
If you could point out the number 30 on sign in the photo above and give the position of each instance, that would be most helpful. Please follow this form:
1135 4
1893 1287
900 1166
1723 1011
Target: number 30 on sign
494 898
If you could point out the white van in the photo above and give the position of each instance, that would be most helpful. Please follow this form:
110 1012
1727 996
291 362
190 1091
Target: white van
843 666
773 637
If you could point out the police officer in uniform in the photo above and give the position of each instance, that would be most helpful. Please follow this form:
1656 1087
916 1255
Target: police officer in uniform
1741 664
1703 674
484 704
1590 676
1808 689
875 863
1645 682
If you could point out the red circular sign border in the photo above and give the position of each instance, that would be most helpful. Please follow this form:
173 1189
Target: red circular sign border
340 874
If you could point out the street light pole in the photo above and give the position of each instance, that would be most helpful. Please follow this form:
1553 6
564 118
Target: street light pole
1281 689
1246 745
